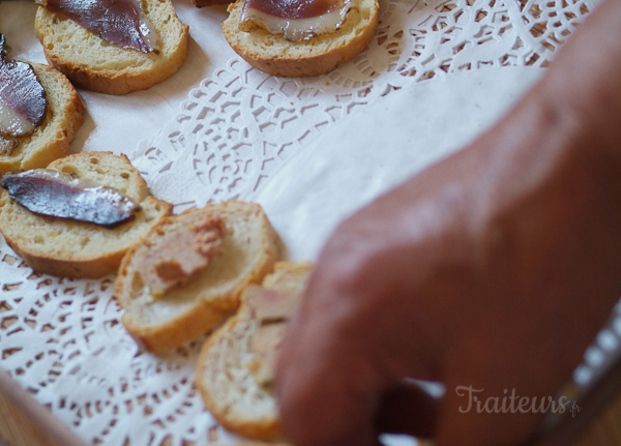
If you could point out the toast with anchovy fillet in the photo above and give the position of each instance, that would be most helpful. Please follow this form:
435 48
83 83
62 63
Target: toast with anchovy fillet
95 64
320 54
72 248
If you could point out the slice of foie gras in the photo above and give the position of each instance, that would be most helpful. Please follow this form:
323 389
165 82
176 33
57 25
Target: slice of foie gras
23 103
120 22
273 309
296 19
178 255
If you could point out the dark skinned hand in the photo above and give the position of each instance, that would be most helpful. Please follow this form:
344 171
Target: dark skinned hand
490 272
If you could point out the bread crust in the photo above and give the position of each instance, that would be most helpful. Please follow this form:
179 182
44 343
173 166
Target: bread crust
63 118
76 249
222 388
93 64
203 304
275 55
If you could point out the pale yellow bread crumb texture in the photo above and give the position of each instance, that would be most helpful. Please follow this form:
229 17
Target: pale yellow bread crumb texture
71 248
320 54
249 250
92 63
64 116
229 390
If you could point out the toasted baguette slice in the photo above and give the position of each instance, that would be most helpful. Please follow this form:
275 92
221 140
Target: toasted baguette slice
64 116
229 390
72 248
92 63
250 247
321 54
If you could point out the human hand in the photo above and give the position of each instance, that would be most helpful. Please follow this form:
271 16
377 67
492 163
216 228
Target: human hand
491 271
499 291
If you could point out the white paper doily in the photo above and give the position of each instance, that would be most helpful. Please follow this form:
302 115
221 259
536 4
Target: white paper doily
62 339
240 124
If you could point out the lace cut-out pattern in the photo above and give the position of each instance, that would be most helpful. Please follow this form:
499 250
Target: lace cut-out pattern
241 124
62 339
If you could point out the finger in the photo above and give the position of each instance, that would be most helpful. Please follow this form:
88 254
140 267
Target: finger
408 408
326 388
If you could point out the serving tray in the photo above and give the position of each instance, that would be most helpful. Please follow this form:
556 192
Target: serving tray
218 130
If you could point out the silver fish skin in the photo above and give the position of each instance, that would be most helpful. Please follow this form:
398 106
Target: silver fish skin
56 194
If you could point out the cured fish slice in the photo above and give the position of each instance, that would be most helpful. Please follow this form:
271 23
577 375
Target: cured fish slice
120 22
296 20
56 194
22 98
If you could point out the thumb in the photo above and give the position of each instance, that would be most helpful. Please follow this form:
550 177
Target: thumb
328 392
